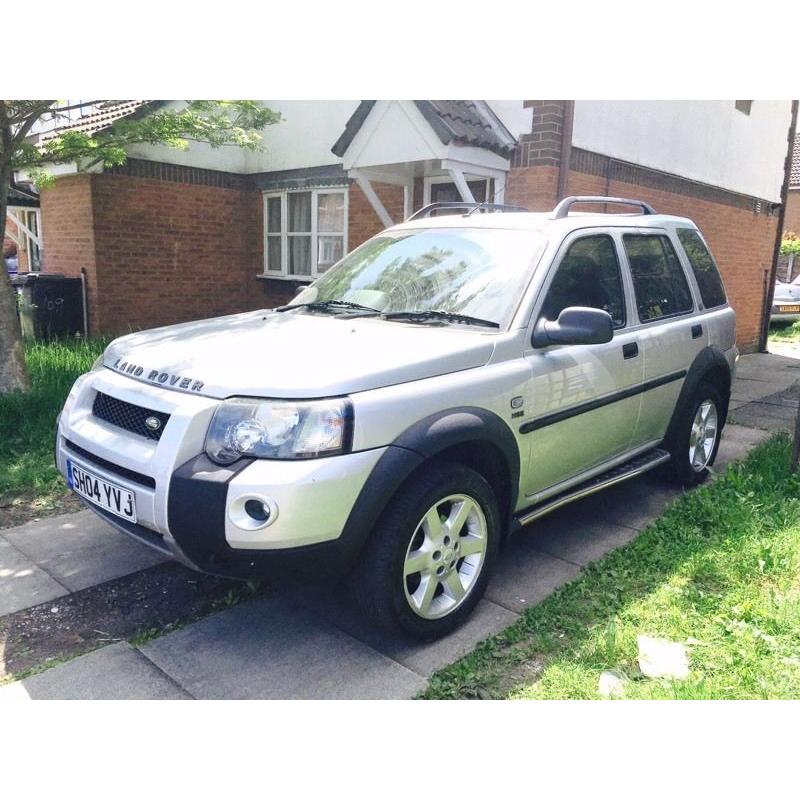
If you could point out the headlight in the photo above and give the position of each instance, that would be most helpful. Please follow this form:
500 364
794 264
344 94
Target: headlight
280 429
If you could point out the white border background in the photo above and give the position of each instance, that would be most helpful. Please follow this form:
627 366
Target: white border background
408 49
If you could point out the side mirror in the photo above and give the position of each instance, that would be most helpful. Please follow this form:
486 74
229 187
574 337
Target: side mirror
575 325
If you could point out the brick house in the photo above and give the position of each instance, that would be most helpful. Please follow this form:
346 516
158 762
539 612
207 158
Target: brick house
179 235
791 222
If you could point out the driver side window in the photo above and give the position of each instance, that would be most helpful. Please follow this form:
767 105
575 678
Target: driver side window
588 275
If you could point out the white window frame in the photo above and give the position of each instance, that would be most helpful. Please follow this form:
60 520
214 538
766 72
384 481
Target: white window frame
283 272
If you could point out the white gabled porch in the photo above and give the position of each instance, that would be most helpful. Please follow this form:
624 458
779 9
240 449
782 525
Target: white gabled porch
459 149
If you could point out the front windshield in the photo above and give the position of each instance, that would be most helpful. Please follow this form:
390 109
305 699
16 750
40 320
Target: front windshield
479 272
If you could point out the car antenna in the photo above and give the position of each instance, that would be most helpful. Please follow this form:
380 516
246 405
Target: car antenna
477 207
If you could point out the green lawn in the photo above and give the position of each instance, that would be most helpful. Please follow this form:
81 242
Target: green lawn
785 332
719 571
27 420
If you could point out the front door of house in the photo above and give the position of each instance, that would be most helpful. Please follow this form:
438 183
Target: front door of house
448 192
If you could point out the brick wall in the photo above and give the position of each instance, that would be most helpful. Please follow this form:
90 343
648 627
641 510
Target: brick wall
542 146
170 252
68 233
792 221
362 221
155 252
534 188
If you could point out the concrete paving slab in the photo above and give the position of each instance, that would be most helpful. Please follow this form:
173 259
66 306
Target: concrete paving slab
526 576
766 366
571 536
116 672
271 649
632 504
737 441
786 350
80 549
22 583
749 390
423 658
767 416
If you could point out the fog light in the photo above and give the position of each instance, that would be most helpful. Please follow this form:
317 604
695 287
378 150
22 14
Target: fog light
251 512
257 509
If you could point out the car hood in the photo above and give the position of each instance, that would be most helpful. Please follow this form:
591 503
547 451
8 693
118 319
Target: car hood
294 354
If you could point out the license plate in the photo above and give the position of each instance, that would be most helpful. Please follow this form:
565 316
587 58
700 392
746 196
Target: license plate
109 496
789 309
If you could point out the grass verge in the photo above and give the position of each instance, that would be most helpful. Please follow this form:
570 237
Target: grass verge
783 332
29 483
719 571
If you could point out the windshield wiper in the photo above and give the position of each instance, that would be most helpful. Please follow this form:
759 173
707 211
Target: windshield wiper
330 305
440 315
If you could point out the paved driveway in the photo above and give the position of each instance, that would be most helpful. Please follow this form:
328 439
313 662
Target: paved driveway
307 642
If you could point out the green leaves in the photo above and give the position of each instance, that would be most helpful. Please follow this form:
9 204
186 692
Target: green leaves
218 123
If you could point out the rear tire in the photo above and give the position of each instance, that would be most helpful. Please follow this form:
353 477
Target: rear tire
697 437
431 553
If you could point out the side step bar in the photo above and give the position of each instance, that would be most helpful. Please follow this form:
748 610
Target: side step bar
630 469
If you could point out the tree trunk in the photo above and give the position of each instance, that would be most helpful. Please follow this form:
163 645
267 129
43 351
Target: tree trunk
13 372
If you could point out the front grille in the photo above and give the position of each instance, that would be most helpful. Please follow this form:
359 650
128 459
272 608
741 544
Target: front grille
128 416
123 472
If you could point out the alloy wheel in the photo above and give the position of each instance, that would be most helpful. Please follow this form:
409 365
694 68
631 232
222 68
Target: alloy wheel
703 436
445 556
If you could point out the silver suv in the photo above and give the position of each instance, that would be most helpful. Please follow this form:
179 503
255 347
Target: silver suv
449 381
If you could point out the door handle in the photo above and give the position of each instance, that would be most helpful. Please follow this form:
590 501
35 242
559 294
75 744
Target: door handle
630 350
697 331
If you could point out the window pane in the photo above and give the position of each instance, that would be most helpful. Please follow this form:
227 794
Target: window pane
589 276
274 253
329 250
274 214
658 279
705 270
299 255
300 212
330 212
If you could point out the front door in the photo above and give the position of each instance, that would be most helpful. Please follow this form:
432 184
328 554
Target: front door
583 400
448 192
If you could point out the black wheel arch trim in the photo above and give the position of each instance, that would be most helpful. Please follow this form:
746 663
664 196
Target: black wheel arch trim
197 499
421 442
465 425
710 359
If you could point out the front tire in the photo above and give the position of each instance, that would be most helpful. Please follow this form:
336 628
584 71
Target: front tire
431 554
697 437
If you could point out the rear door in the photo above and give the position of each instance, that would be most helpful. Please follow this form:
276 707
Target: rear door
582 404
670 329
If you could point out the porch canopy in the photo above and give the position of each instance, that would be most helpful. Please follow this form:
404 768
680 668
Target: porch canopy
398 141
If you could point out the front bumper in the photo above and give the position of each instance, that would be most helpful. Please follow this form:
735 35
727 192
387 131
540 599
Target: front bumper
183 499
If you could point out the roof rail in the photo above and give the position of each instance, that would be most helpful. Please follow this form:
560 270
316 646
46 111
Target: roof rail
562 209
469 208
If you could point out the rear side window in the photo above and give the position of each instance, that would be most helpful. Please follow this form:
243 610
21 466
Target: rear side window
658 279
705 270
